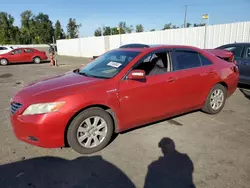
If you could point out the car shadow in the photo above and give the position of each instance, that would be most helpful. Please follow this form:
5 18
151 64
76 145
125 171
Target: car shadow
173 169
46 172
245 90
170 120
28 63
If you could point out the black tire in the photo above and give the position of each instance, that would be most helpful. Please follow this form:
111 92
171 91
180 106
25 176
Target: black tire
37 60
74 125
208 108
4 62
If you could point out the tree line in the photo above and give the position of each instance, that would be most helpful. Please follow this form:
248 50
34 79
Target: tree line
122 28
34 29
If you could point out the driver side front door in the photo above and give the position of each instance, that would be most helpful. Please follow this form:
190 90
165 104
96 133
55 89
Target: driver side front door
147 101
16 56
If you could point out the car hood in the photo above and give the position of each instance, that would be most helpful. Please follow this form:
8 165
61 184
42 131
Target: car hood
60 85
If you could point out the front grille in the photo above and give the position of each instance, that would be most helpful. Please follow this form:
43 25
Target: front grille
15 106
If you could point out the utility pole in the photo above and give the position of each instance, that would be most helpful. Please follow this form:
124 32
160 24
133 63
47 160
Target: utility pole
185 17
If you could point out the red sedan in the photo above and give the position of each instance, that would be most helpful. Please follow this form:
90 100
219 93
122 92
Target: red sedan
21 55
122 89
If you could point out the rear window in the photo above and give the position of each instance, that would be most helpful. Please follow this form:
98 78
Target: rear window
236 50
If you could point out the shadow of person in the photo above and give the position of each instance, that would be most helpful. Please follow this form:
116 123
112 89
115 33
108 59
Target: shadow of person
173 170
53 172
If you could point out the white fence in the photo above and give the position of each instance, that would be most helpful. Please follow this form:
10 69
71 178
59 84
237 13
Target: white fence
29 45
202 37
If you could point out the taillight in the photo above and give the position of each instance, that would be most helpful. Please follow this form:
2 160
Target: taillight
231 59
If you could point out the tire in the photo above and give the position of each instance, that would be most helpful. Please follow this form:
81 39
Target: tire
209 107
37 60
4 62
80 137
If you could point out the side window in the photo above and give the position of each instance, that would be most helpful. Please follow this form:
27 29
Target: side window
28 50
3 48
248 52
18 51
186 60
205 61
155 63
236 50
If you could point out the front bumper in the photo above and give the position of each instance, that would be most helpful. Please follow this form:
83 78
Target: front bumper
45 130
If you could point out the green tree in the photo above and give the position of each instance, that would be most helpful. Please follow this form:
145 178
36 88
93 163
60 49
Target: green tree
28 27
189 24
43 29
124 28
8 32
152 30
114 31
106 31
59 33
73 28
199 25
139 28
168 26
98 32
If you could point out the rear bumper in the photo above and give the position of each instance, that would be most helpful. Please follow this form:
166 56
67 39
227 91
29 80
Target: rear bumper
46 130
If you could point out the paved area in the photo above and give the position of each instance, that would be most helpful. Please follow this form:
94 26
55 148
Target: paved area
210 151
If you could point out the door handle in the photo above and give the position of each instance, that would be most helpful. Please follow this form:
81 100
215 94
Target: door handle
171 79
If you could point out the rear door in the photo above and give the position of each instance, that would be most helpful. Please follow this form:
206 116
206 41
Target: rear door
245 66
28 54
192 78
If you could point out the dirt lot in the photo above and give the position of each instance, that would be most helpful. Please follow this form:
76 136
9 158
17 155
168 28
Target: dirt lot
211 151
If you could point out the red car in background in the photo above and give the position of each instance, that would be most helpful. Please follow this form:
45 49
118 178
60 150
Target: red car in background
21 55
122 89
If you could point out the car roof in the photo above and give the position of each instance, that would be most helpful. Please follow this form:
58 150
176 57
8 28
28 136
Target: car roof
236 43
156 47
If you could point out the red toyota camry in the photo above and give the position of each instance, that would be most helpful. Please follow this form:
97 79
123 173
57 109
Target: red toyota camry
122 89
21 55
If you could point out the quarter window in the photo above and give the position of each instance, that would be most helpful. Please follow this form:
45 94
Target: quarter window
186 60
205 61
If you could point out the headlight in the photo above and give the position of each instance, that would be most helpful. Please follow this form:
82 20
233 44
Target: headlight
43 108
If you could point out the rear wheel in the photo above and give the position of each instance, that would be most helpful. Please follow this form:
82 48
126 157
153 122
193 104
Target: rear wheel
37 60
90 131
4 62
216 99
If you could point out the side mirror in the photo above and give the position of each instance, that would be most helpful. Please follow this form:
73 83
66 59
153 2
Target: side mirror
11 53
137 75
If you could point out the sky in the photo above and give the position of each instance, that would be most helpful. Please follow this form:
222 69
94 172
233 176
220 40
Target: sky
152 14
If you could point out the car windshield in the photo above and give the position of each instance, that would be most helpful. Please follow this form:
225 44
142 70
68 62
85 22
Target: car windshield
109 64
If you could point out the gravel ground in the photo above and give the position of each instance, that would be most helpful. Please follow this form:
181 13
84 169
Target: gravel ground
210 151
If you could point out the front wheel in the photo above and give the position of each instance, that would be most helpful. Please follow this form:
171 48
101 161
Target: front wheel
4 62
90 131
216 99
